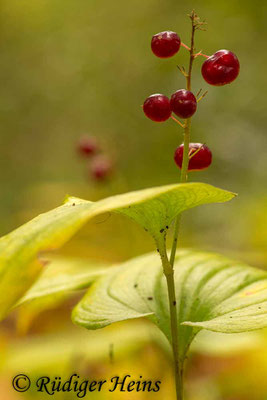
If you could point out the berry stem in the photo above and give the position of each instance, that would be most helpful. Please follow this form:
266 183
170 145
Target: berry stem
191 155
202 96
169 273
197 54
177 121
185 46
201 54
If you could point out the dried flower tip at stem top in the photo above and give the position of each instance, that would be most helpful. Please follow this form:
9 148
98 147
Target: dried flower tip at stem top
165 44
196 21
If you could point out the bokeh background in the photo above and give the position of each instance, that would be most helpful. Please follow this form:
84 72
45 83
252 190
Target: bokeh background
84 67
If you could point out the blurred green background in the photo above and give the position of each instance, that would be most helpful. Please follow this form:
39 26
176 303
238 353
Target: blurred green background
70 68
84 67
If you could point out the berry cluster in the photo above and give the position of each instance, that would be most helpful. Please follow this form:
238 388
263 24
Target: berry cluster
219 69
100 167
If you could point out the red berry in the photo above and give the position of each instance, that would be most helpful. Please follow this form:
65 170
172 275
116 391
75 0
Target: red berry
87 146
183 103
165 44
221 68
201 160
157 107
101 168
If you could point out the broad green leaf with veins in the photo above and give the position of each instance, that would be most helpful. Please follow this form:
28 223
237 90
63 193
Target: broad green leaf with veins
64 275
212 292
153 208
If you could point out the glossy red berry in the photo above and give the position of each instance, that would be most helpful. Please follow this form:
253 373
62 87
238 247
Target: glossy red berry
201 160
183 103
101 168
165 44
87 146
157 107
221 68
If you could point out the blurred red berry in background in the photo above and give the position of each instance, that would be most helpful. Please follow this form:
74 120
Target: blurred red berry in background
87 146
101 168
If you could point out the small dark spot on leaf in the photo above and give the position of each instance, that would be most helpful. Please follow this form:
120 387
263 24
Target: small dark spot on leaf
167 227
259 308
136 285
146 229
231 317
174 303
162 230
150 298
158 250
73 204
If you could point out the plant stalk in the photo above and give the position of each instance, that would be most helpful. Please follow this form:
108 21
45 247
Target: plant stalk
178 367
187 129
169 270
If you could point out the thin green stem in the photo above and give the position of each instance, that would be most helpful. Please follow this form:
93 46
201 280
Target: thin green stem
183 179
168 266
187 129
175 238
178 367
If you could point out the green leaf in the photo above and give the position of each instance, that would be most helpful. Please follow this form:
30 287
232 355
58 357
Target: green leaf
64 275
153 208
56 283
212 292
